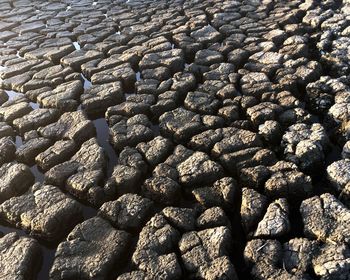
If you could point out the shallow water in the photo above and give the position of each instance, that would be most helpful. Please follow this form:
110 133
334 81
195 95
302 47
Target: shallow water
138 76
13 94
102 132
39 176
87 83
76 45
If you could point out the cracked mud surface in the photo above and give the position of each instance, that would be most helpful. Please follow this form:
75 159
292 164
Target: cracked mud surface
176 139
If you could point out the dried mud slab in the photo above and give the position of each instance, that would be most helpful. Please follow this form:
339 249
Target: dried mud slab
175 139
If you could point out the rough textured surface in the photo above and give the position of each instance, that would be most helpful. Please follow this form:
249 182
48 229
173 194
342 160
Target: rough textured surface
16 178
216 133
44 211
90 252
19 257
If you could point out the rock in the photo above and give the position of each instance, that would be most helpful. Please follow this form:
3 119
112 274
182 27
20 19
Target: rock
98 98
253 207
182 218
182 124
130 132
262 112
71 125
64 97
298 254
208 57
200 250
83 174
59 152
183 82
212 217
129 171
284 98
128 212
275 223
277 36
7 150
43 210
271 131
35 119
332 262
291 184
222 193
167 101
201 102
263 258
122 73
156 150
326 219
221 72
339 173
20 257
3 97
27 152
224 140
219 268
293 116
137 274
160 73
6 130
153 254
162 189
130 108
14 109
205 35
255 84
170 59
346 150
237 161
16 178
79 57
90 251
164 266
305 145
199 169
254 177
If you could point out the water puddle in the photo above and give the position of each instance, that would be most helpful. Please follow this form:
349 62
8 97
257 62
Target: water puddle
13 94
102 131
87 83
76 45
48 258
138 76
18 141
155 129
34 105
39 176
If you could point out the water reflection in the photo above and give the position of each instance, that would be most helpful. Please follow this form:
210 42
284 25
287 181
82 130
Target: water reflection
102 131
76 45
